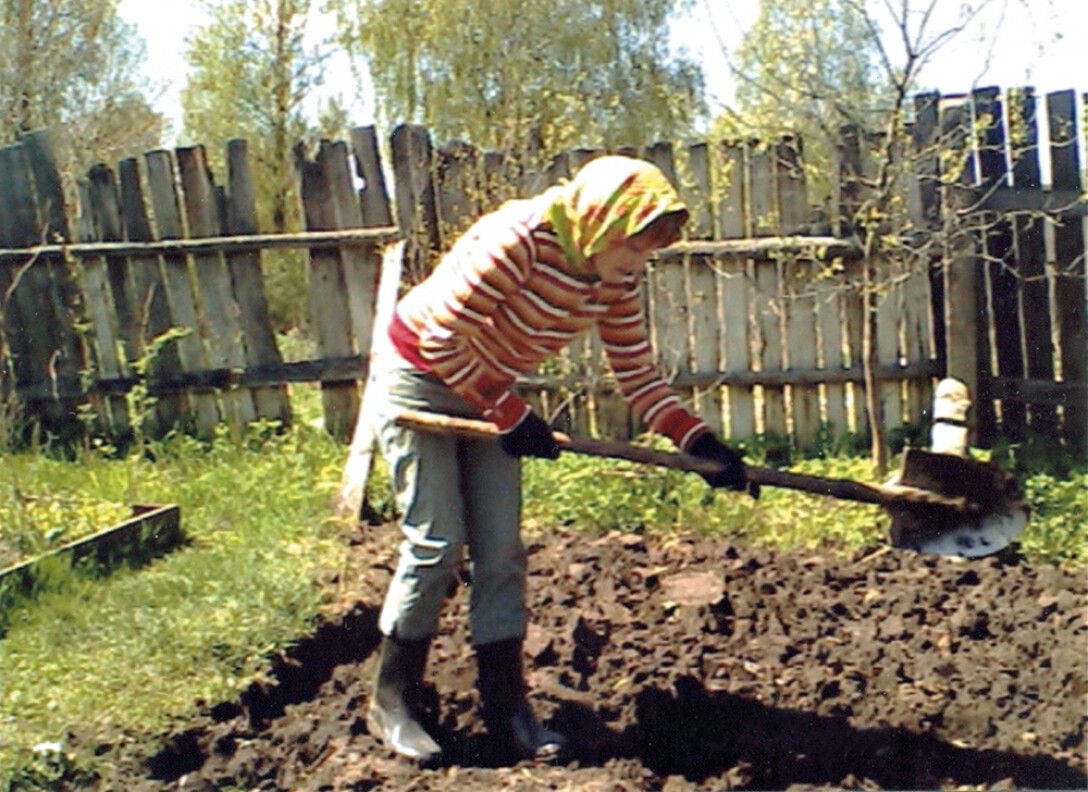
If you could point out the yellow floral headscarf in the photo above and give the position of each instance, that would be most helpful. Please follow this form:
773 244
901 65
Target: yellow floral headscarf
610 198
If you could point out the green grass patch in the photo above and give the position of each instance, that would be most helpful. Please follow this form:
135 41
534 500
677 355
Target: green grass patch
605 495
122 655
35 521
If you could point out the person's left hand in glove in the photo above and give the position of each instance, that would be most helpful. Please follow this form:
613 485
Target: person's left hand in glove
732 476
532 437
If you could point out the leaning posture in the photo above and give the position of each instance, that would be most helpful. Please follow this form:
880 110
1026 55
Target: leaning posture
518 286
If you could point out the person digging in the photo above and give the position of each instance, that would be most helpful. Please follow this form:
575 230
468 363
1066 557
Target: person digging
519 285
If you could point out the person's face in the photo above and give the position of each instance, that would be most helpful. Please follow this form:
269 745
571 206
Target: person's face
624 258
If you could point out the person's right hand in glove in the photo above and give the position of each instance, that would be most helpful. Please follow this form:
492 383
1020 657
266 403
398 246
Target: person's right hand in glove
732 476
531 437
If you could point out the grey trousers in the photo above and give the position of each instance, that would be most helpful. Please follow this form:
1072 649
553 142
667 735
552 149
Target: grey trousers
454 495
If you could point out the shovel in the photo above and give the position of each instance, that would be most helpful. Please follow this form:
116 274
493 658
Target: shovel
938 503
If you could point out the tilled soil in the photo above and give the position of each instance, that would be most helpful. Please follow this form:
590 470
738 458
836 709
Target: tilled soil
681 663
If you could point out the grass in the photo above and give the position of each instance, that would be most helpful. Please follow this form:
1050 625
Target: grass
122 655
118 659
607 496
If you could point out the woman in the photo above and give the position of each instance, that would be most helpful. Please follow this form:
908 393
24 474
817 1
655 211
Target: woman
517 287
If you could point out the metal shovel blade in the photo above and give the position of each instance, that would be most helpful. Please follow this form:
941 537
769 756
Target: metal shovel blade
1000 519
965 538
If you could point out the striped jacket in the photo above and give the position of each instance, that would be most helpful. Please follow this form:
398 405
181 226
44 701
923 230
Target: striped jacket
503 299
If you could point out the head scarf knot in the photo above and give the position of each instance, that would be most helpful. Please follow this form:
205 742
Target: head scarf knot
610 198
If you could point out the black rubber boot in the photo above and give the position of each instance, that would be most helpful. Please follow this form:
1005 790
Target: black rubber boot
506 710
390 717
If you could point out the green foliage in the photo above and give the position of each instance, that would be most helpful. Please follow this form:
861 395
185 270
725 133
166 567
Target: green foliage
73 66
604 495
1058 528
806 66
505 75
124 654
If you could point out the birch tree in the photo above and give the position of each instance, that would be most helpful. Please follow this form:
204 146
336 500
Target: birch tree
523 73
73 66
253 67
859 63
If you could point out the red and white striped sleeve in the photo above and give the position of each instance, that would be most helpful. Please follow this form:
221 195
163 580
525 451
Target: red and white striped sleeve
624 333
486 266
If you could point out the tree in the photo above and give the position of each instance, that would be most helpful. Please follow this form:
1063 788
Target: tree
252 71
72 65
857 62
516 74
809 65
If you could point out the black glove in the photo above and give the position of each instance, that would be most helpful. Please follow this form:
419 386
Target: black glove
707 446
531 437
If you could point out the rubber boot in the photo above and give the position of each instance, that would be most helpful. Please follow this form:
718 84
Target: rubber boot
390 717
506 709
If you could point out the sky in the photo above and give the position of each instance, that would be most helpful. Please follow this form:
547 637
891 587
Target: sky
1029 42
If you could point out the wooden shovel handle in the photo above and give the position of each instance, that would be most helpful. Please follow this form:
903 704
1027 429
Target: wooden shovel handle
887 495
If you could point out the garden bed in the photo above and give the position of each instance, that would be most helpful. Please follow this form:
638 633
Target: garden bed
150 531
681 663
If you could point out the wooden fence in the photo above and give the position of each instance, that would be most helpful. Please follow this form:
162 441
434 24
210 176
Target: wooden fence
757 317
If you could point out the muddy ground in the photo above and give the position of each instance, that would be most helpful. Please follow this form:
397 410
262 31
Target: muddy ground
682 663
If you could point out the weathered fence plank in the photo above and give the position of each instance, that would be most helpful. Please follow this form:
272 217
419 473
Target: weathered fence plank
28 309
1030 255
964 311
1069 283
374 196
219 311
417 213
360 264
734 280
149 292
63 292
329 309
1004 280
247 285
798 303
99 303
707 326
830 325
768 298
179 292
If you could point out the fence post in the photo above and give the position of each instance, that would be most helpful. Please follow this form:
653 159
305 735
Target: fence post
329 308
962 273
416 211
216 297
248 285
1069 285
